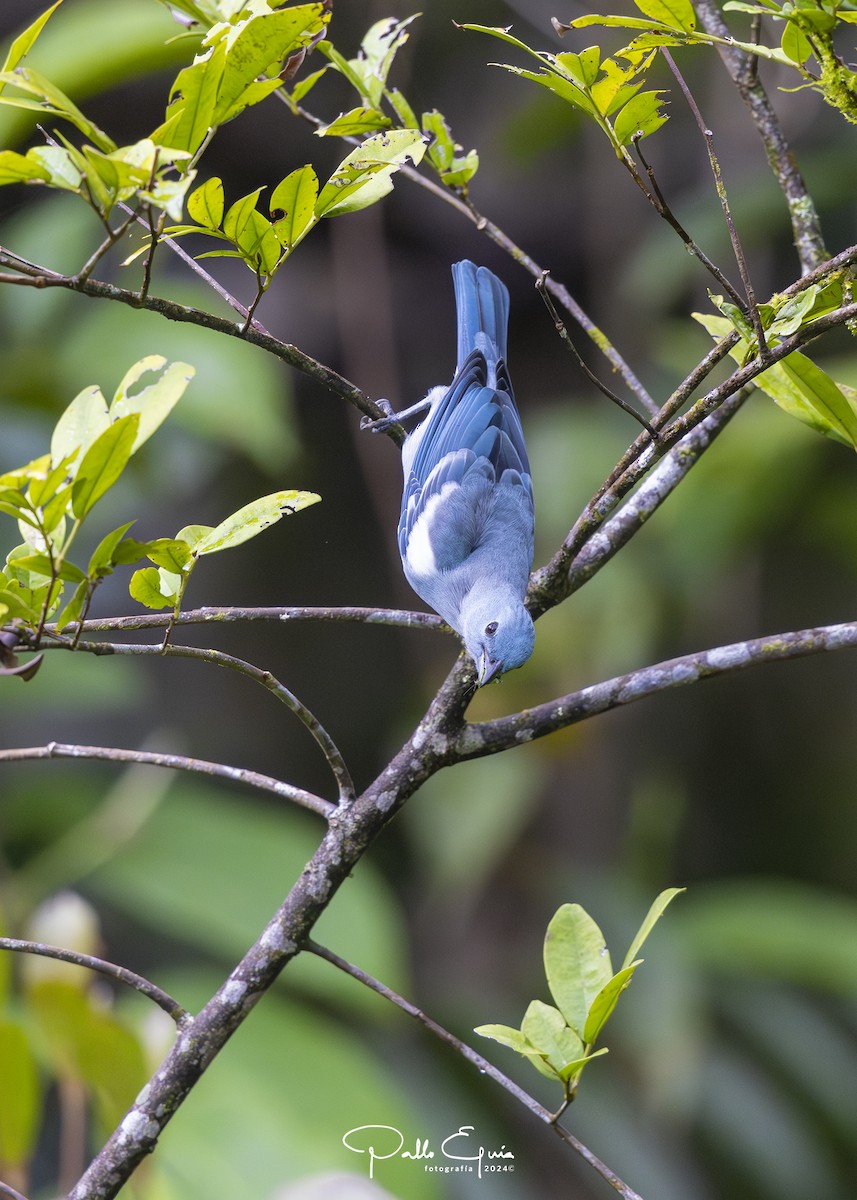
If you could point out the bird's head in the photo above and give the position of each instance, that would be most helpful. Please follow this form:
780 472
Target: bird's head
498 635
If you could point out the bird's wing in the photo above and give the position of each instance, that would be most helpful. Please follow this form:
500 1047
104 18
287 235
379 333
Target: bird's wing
471 428
470 415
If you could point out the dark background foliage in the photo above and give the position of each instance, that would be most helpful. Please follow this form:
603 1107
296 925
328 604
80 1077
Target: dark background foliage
732 1069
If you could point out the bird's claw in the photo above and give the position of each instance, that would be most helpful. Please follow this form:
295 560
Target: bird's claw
380 424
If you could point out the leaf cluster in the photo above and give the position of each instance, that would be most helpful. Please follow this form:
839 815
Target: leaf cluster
53 496
607 90
385 107
296 204
809 32
798 385
559 1039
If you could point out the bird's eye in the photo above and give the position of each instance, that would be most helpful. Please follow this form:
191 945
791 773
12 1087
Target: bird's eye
491 629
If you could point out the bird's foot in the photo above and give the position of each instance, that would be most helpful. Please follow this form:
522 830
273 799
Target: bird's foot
380 424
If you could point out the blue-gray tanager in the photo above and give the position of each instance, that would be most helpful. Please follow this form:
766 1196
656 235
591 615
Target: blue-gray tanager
466 526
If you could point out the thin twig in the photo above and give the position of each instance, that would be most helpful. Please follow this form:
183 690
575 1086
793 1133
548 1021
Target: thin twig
483 1065
121 974
466 207
174 762
549 584
658 202
219 658
737 248
6 1189
561 329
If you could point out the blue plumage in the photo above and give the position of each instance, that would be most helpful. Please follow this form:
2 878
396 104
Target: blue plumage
466 526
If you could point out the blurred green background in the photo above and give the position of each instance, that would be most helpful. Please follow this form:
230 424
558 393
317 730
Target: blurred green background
733 1059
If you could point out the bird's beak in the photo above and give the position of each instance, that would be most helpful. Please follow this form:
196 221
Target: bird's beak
489 668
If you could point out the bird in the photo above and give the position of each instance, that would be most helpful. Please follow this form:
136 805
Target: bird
467 519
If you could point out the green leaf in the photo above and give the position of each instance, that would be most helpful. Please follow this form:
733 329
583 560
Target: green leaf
294 197
43 488
194 534
60 166
604 1003
577 963
193 96
583 69
40 564
799 387
17 605
402 109
546 1028
442 147
558 84
205 204
571 1071
250 520
74 609
641 115
506 1035
677 13
145 587
103 463
795 44
303 86
353 122
239 216
83 421
52 100
22 168
793 314
103 558
652 917
807 392
618 84
153 403
20 47
515 1040
353 184
20 1095
173 554
84 1041
260 43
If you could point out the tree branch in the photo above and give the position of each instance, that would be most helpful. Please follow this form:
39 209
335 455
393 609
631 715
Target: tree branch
350 832
806 225
30 275
477 740
227 614
131 979
483 1065
550 584
175 762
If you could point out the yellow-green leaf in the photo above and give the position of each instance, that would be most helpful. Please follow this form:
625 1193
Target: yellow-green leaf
253 518
677 13
577 963
292 206
205 204
103 463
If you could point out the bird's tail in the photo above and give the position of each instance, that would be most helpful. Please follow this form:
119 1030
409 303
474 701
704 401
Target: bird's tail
482 306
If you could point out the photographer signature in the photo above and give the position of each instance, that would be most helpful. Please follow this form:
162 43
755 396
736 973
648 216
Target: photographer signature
381 1142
